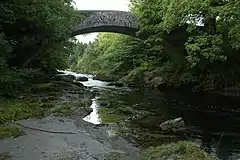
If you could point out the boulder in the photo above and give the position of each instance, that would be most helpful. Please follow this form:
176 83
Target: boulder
82 79
172 125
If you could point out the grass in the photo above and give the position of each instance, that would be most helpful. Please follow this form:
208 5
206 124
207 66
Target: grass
180 150
9 131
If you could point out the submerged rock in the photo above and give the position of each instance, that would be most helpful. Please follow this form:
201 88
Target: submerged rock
172 125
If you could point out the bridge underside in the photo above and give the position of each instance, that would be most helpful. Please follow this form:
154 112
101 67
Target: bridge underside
115 29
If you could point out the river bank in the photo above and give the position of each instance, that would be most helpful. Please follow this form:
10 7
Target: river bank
73 138
69 136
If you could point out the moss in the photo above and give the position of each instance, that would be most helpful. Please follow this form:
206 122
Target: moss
9 131
22 109
109 115
65 110
150 139
180 150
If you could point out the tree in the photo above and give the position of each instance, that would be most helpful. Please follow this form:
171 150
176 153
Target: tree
34 34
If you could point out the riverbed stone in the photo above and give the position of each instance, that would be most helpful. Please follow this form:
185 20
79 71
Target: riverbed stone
173 124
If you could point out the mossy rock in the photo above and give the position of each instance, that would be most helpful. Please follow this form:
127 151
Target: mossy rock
109 115
8 131
84 106
177 151
134 78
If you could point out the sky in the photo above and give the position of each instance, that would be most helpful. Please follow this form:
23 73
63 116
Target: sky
120 5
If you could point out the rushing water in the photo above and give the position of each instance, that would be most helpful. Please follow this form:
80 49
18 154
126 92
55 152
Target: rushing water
214 120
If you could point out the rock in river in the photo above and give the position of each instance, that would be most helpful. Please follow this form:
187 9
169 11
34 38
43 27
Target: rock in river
117 84
173 124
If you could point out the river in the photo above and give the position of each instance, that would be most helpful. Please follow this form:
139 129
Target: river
213 121
125 120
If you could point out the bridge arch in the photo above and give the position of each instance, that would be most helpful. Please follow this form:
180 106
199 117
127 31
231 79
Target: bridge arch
108 21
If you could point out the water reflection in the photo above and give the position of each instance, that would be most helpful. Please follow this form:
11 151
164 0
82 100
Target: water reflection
94 116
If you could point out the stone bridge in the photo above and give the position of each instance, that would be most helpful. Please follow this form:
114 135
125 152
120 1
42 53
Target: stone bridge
108 21
127 23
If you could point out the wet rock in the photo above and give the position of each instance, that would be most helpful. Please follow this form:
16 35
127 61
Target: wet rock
61 120
71 77
78 84
102 78
66 78
117 84
172 125
82 79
